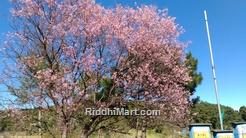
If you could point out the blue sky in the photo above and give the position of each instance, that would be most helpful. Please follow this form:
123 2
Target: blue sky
227 21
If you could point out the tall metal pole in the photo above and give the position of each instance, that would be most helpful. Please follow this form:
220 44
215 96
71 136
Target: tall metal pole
213 70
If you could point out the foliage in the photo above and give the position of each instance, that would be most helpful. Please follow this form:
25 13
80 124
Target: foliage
196 76
242 112
6 123
208 113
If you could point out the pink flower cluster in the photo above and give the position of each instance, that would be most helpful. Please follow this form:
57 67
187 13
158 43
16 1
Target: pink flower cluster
140 43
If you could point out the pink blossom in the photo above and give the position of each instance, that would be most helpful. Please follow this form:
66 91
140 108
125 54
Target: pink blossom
81 42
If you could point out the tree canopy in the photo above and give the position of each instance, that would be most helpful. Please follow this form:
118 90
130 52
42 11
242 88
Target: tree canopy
66 51
242 112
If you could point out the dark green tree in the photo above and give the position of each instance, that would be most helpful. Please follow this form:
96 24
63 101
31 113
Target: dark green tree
242 112
207 113
196 76
107 89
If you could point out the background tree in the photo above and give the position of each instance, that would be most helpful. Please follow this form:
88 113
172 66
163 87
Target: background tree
208 113
196 76
242 112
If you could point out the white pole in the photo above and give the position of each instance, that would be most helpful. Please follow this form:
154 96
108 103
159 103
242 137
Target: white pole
213 70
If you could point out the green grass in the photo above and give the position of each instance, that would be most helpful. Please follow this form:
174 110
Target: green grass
132 134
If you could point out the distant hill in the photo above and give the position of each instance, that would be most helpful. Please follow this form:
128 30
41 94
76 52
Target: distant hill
204 112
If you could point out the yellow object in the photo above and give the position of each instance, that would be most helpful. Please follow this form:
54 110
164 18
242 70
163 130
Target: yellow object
244 135
201 134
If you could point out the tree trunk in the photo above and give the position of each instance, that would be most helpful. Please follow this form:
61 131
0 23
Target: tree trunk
100 133
84 135
144 126
85 132
65 132
136 129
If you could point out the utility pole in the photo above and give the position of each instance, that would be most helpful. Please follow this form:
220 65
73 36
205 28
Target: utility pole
213 70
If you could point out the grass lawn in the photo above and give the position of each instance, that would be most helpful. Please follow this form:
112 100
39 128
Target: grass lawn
132 134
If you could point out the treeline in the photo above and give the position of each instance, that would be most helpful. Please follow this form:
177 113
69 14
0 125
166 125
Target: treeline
204 112
30 124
